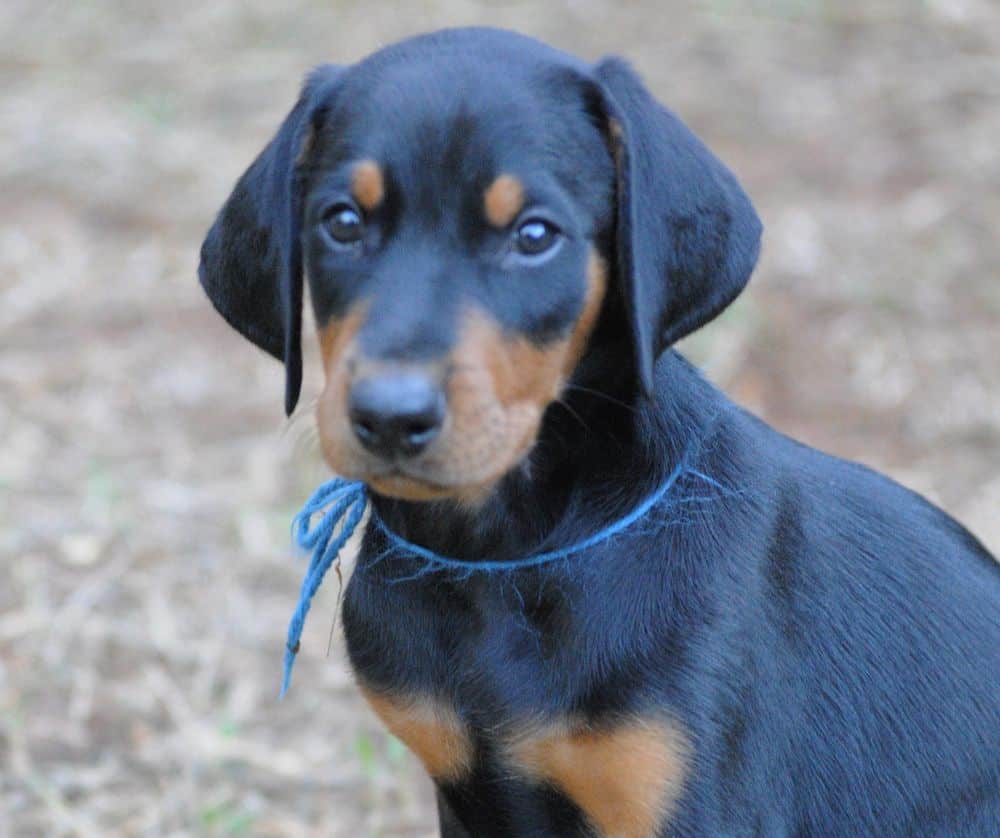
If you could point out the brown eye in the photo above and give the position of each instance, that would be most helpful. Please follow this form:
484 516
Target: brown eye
345 224
535 236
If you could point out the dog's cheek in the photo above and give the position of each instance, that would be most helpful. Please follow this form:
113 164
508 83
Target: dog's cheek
597 288
483 440
502 386
337 340
498 389
331 431
523 372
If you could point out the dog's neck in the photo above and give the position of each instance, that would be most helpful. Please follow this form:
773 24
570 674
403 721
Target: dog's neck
599 454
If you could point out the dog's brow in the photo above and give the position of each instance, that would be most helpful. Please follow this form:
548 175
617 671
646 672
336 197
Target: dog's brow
503 200
367 184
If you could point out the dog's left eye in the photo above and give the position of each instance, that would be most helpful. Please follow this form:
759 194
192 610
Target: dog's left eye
535 236
345 224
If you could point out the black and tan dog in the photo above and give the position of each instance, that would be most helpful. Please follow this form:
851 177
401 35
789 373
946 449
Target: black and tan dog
501 242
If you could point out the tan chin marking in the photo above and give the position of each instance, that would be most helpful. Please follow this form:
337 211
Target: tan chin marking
626 779
405 488
368 184
432 730
503 200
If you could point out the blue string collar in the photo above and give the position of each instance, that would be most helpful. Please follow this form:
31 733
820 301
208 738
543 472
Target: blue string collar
346 501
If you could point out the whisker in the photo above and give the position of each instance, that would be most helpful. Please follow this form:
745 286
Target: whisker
605 396
562 403
307 441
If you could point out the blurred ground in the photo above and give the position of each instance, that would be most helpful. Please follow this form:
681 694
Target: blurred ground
147 476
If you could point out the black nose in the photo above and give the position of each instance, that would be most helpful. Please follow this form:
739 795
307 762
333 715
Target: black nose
396 414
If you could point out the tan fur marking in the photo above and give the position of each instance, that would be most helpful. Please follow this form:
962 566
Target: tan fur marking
497 393
336 339
627 780
367 184
597 286
395 486
433 731
520 370
503 200
335 336
498 387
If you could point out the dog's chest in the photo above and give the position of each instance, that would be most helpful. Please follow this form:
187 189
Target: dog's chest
490 687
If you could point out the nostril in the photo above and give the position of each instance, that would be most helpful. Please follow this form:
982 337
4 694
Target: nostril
417 428
364 428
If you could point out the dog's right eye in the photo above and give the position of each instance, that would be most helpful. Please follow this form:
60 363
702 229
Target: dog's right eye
535 236
344 224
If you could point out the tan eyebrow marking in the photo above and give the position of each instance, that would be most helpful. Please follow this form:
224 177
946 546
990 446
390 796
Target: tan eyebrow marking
367 184
503 200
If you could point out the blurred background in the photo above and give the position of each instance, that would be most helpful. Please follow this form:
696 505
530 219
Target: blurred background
147 474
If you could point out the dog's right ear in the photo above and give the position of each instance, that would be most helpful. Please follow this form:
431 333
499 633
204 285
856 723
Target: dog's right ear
251 260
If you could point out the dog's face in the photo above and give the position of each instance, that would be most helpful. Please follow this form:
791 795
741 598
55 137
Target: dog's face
451 227
463 205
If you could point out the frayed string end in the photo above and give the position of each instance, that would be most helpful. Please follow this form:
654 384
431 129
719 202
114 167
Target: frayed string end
347 501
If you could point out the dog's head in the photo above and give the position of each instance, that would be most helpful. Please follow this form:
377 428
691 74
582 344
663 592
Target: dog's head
464 206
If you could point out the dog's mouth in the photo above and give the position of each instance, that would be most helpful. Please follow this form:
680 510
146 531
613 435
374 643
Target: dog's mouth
470 456
406 481
371 430
396 483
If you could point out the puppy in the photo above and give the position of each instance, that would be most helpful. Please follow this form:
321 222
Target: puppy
727 633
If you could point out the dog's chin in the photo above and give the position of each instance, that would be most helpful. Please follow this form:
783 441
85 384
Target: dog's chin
405 487
420 481
417 490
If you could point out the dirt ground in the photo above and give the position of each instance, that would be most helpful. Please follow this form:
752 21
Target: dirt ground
147 475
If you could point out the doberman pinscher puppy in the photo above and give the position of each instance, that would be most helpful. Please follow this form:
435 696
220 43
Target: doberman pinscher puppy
502 243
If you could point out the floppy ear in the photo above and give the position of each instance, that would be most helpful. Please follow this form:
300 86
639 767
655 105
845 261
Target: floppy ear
687 235
251 260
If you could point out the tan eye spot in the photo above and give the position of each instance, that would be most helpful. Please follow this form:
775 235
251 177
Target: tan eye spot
503 200
367 184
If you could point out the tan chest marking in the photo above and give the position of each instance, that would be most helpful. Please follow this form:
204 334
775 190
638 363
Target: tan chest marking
433 731
627 779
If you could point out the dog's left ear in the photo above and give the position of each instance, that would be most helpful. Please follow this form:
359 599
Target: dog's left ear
687 235
251 260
